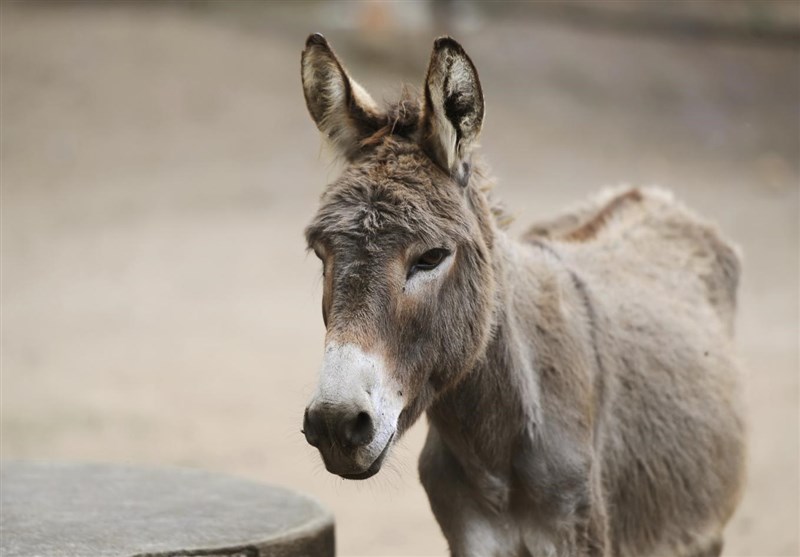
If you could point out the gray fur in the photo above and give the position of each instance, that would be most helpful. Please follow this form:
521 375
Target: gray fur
580 383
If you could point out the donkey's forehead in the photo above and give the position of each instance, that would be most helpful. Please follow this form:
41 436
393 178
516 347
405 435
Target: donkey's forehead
394 198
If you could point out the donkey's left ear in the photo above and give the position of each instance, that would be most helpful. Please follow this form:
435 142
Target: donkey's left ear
453 108
343 111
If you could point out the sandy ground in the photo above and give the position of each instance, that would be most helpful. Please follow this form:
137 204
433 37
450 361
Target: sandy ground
158 167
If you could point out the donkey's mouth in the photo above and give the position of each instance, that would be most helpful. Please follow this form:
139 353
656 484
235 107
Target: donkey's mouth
374 467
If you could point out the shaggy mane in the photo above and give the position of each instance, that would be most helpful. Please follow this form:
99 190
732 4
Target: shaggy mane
402 120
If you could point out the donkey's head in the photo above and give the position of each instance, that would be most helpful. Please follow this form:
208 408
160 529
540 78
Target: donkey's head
405 238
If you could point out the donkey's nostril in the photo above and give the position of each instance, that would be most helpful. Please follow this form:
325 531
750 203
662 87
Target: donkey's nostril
359 430
349 430
311 429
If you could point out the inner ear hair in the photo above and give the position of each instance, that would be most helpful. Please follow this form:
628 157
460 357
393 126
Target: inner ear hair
342 110
454 108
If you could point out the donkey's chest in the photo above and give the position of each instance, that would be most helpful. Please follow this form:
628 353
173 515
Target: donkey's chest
508 535
538 542
516 510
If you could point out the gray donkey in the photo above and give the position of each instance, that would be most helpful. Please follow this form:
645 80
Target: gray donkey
580 383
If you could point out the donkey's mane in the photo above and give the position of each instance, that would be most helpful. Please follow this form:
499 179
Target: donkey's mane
401 122
402 118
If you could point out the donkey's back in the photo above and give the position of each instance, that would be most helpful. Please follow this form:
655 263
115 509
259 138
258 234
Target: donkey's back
663 283
644 238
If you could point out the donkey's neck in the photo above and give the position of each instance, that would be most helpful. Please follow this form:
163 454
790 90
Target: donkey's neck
483 418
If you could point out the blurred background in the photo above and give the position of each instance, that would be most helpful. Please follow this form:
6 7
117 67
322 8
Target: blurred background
158 168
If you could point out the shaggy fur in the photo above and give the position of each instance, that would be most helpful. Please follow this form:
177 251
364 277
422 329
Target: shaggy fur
580 383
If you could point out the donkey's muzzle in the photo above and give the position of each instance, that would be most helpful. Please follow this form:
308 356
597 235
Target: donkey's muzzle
352 417
346 428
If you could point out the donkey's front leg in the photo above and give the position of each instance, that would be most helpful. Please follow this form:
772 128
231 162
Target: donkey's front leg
592 523
591 538
582 534
584 528
471 530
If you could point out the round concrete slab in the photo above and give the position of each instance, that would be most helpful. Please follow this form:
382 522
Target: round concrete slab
81 510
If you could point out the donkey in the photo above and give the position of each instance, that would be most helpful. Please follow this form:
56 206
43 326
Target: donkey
579 383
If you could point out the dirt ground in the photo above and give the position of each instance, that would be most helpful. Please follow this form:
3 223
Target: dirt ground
158 167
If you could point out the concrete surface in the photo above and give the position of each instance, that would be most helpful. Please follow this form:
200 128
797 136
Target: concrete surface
158 167
100 510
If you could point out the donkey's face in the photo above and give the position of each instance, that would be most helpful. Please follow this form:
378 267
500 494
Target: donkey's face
405 247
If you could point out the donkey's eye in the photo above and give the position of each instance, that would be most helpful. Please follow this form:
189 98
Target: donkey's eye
429 260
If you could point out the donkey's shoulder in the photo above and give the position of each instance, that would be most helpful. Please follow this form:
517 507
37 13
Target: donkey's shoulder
649 226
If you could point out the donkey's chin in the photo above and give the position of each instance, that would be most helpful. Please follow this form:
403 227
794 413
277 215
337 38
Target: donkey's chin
373 469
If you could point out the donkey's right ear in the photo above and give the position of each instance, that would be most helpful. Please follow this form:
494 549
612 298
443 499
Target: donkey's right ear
343 111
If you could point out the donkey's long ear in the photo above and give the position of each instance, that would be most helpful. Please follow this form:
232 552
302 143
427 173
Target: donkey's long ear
343 111
453 108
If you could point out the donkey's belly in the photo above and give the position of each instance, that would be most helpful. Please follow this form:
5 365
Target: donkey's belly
673 455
